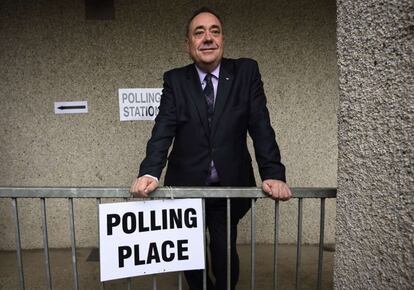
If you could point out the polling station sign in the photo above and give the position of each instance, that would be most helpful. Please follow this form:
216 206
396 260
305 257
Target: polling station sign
147 237
139 103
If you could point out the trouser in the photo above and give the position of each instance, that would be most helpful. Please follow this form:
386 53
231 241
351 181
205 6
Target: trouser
216 223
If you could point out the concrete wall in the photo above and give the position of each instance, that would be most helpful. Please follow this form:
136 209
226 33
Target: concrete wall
49 53
374 235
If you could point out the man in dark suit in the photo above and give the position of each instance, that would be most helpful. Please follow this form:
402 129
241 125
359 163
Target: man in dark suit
207 108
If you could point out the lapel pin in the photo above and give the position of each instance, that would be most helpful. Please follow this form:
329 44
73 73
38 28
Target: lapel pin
227 79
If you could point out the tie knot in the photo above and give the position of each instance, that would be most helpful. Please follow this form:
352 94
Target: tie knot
207 78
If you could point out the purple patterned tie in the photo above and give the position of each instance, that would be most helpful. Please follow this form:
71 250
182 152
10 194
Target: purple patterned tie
208 93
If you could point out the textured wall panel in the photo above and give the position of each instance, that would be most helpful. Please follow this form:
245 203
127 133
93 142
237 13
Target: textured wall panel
374 232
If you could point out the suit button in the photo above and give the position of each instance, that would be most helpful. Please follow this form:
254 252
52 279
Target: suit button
213 149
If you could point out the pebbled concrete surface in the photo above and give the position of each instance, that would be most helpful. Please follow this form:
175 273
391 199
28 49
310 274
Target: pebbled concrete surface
375 222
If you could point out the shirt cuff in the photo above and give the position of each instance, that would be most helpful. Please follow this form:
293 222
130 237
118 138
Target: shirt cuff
153 177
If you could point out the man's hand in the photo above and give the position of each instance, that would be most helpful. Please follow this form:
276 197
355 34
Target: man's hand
142 186
276 189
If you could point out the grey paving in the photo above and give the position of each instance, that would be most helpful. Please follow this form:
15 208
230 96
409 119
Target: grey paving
61 269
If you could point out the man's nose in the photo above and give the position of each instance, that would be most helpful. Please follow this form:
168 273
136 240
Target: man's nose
207 36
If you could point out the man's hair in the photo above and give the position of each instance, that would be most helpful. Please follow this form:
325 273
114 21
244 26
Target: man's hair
203 9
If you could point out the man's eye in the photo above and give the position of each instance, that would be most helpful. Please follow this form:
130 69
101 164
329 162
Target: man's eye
199 32
215 32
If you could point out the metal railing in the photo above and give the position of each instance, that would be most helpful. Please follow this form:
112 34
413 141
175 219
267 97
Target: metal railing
15 193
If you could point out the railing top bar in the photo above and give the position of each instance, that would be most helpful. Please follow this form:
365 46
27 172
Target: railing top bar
162 192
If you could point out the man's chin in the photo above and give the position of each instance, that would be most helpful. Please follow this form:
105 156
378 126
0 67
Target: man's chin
210 60
207 63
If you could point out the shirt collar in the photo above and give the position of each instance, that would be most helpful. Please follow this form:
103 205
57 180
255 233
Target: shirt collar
202 74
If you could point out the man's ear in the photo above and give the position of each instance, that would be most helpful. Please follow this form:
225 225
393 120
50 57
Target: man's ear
187 45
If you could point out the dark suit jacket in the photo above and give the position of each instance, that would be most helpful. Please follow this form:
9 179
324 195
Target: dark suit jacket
240 108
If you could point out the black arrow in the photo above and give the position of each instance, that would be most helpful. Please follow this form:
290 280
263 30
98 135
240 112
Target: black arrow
71 107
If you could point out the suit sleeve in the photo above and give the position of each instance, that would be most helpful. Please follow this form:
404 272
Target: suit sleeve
162 134
264 140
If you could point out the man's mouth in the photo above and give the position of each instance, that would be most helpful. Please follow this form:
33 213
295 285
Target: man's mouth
208 49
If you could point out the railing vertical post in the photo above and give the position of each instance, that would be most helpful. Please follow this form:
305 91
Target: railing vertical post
46 243
129 280
253 243
205 245
276 246
299 242
180 281
98 202
228 244
18 245
154 282
129 283
73 239
321 241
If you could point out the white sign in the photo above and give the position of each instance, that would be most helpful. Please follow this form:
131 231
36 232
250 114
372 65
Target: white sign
71 107
139 104
147 237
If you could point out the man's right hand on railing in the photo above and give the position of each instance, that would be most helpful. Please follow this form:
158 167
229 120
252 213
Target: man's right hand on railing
276 189
144 185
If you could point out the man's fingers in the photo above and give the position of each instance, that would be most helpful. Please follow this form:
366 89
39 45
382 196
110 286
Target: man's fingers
142 186
138 187
289 192
276 189
134 187
285 193
266 188
151 186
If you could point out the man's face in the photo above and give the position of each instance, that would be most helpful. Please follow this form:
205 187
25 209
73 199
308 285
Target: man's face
205 41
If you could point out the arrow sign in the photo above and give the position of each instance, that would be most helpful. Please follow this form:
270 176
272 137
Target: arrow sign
71 107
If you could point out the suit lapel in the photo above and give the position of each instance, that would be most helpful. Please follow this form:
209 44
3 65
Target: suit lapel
223 90
196 96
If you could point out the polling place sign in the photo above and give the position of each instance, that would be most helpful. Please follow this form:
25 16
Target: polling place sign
148 237
139 103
